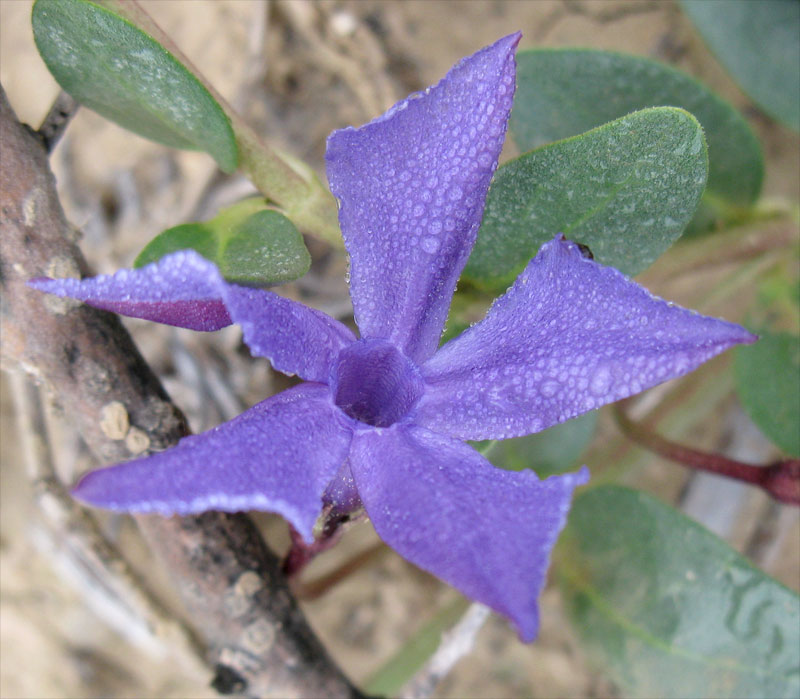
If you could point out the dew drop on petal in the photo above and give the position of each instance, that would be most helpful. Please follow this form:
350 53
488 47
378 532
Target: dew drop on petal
549 388
430 244
601 381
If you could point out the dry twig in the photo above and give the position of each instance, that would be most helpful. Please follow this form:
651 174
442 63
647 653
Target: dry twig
106 580
57 119
231 583
455 644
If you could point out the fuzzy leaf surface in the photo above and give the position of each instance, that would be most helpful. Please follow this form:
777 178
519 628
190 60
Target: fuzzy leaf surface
250 244
564 92
119 71
626 189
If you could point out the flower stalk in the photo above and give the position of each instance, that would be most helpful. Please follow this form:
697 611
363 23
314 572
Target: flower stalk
301 553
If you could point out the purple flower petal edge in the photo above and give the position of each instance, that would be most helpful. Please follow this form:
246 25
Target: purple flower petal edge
569 336
445 508
186 290
412 185
182 289
278 456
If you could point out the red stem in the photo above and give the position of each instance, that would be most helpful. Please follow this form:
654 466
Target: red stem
314 589
780 479
301 554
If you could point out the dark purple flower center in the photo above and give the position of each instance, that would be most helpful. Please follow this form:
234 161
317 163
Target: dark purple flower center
374 383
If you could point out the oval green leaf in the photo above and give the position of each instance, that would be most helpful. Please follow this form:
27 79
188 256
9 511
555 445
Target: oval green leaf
626 189
667 609
759 44
768 384
116 69
250 244
564 92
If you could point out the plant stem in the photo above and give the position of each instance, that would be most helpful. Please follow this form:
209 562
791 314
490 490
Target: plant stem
307 591
780 479
57 119
290 183
301 554
456 643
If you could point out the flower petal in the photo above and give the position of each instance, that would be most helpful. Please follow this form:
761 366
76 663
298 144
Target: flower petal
182 289
279 456
412 185
445 508
569 336
186 290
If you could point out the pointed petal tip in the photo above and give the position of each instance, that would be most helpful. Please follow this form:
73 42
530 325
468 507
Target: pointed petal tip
503 49
512 40
749 338
56 287
97 488
528 631
82 490
580 477
506 44
738 334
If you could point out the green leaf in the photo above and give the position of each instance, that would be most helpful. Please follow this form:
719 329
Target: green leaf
768 383
759 44
119 71
251 245
669 610
626 189
400 668
564 92
555 450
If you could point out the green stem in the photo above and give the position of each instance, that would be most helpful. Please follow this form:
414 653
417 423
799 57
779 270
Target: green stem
282 178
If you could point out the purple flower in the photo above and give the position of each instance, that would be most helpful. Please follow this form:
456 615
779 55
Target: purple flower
380 420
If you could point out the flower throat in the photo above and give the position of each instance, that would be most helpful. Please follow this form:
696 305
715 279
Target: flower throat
374 383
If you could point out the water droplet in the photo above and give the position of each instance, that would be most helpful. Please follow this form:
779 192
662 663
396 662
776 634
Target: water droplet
430 244
549 388
601 381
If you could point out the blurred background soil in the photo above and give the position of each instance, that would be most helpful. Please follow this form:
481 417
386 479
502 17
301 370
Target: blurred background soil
297 70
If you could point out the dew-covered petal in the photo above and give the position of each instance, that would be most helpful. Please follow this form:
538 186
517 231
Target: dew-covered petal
569 336
182 289
278 456
412 185
186 290
441 505
295 338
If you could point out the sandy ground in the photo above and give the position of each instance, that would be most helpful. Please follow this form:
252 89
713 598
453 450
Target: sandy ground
298 70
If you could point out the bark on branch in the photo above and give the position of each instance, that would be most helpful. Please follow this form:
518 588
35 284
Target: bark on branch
231 583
